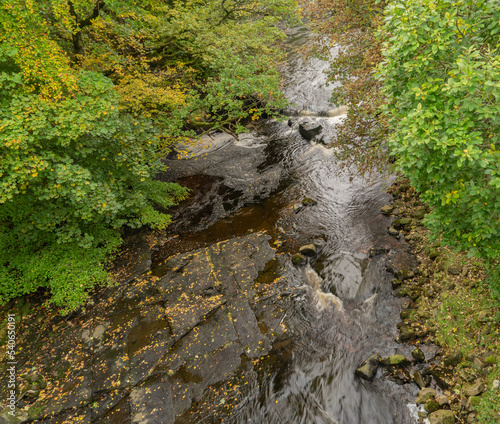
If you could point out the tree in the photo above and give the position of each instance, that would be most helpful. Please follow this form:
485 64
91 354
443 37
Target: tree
441 74
90 94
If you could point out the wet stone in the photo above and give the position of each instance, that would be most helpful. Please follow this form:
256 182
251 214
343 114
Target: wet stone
431 405
309 130
395 360
442 416
418 355
442 400
424 395
201 340
209 369
393 232
191 311
299 260
376 251
134 259
106 401
132 346
386 209
421 380
308 250
297 207
151 403
368 368
406 333
307 201
254 343
443 376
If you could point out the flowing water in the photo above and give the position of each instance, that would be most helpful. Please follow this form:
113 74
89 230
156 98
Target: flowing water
346 311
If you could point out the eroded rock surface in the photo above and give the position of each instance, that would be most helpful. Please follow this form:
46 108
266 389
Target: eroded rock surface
148 349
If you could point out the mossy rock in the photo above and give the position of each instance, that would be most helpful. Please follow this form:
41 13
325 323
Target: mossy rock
418 355
424 395
307 201
431 405
308 250
418 213
405 222
442 416
401 292
386 209
299 260
395 360
407 314
475 401
395 282
452 359
368 368
393 232
406 333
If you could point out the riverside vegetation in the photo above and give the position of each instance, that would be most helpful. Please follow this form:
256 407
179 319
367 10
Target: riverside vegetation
93 94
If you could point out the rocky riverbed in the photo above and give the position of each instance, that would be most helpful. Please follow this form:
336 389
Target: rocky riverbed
145 350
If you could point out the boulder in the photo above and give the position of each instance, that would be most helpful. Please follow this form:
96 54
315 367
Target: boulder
376 251
298 207
368 368
421 380
308 250
407 313
424 395
406 333
387 209
299 260
431 405
396 283
442 416
483 316
307 201
393 232
418 213
309 129
433 254
395 360
474 389
418 355
474 401
405 223
443 376
442 400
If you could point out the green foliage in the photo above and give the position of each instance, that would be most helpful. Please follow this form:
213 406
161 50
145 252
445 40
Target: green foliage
442 79
91 93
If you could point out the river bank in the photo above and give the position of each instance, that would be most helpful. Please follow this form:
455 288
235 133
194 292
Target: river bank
451 305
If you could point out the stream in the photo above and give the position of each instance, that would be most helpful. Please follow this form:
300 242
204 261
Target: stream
218 320
343 309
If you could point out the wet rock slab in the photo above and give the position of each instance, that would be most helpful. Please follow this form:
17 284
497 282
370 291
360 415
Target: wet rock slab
147 349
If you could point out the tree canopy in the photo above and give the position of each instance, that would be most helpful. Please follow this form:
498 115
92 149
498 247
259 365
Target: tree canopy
92 94
441 74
